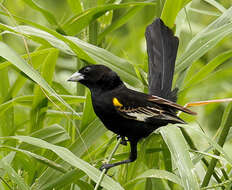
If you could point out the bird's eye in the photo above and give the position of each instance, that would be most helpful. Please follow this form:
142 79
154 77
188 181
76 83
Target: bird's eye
87 69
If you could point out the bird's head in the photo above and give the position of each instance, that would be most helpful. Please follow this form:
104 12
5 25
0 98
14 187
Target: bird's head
97 77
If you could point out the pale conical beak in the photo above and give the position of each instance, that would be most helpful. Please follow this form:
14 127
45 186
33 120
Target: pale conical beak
76 77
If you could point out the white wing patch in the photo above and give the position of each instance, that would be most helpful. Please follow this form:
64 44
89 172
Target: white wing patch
140 113
139 116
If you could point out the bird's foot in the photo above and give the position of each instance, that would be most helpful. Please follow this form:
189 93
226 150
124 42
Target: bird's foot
106 166
123 140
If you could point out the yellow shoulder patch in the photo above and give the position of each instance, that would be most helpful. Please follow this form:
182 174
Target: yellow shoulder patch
116 103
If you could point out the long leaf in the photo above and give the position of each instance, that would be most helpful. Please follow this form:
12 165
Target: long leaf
171 9
40 101
207 69
119 65
37 157
225 127
27 101
205 40
50 178
180 155
119 22
75 49
50 18
76 6
211 142
70 158
80 21
7 125
14 176
216 5
7 53
99 55
154 173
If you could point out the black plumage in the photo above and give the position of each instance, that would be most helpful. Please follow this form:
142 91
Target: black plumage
162 48
133 114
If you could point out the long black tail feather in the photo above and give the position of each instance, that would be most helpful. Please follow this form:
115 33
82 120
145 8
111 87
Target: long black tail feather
162 48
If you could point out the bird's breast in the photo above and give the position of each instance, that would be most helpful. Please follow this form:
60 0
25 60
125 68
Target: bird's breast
102 105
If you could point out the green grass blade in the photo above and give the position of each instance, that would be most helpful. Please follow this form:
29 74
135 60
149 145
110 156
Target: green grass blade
32 55
205 40
207 69
69 47
211 142
74 25
204 12
155 173
88 112
48 33
171 9
99 55
61 181
72 159
79 147
118 23
54 134
39 158
13 175
59 114
40 101
180 155
7 119
216 5
119 65
225 127
27 101
7 53
49 17
76 6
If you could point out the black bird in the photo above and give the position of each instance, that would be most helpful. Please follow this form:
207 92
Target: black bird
133 114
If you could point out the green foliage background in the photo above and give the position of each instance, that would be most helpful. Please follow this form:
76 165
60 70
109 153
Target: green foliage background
50 137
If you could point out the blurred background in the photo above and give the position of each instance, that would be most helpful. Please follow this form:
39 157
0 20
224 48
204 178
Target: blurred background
57 37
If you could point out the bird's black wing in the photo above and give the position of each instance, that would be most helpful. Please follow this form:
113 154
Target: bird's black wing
169 104
147 114
147 108
162 48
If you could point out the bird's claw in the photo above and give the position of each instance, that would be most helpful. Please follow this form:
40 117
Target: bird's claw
123 140
106 167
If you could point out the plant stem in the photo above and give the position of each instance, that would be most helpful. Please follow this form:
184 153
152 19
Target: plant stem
225 125
108 161
193 147
6 183
218 185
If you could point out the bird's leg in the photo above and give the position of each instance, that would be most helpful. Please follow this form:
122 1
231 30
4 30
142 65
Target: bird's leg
123 140
132 158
